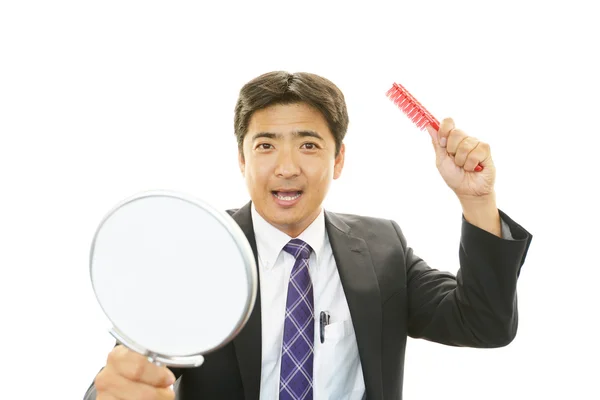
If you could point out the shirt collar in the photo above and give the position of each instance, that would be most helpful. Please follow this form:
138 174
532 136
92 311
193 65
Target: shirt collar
270 240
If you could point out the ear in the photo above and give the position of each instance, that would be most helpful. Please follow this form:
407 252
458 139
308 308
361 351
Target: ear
241 162
339 162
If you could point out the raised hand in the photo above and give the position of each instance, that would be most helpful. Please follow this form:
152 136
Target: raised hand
457 156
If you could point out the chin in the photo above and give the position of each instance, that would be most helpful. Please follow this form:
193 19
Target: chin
285 217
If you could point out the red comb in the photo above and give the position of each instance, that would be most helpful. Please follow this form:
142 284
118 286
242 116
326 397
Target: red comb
414 110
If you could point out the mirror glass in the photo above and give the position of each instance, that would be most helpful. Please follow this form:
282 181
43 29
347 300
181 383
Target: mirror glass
175 276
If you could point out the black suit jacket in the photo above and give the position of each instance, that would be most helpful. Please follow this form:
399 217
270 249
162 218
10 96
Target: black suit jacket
391 294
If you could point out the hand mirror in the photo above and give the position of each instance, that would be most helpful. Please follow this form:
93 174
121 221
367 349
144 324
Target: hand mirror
175 277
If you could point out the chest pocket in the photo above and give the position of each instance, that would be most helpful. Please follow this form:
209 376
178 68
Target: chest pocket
340 362
338 330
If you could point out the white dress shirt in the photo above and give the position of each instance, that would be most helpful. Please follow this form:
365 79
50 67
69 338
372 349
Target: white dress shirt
337 373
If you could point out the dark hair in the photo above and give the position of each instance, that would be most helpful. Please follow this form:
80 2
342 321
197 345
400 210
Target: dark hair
280 87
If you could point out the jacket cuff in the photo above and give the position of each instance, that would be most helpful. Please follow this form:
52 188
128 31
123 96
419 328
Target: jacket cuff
510 250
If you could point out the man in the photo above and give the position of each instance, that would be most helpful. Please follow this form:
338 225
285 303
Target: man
357 272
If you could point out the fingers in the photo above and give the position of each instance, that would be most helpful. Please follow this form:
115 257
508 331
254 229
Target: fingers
439 150
137 368
468 151
446 126
110 385
129 375
455 137
479 155
106 396
461 150
433 134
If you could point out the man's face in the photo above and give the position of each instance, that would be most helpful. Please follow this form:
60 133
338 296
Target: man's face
289 162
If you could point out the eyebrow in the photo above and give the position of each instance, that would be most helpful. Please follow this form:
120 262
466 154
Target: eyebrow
302 133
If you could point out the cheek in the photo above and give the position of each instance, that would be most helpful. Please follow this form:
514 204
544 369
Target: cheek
322 175
257 173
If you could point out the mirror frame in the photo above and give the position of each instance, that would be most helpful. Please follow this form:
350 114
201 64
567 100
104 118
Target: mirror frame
236 233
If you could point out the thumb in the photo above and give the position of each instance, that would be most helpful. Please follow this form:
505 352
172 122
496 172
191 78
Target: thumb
439 150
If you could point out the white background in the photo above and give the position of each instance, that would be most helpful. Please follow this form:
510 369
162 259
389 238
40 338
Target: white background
100 100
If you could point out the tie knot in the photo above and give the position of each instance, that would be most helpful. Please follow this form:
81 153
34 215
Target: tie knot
298 248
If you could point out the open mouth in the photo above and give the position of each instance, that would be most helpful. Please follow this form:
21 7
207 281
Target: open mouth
287 196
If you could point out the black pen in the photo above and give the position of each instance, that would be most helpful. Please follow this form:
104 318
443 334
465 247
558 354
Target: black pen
323 322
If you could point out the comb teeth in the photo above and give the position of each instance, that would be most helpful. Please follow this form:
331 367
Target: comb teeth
415 110
411 107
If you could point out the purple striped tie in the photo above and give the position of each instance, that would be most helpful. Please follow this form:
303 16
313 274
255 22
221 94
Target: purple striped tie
298 332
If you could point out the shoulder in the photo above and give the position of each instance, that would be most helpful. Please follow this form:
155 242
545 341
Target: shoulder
358 219
367 227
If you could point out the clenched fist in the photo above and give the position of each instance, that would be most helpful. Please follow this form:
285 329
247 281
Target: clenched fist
130 376
457 156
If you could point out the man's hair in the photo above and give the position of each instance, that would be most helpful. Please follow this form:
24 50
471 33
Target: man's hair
281 87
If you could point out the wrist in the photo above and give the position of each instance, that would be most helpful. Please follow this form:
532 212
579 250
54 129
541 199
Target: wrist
487 201
482 212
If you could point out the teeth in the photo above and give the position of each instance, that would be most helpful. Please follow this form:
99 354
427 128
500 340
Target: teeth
287 198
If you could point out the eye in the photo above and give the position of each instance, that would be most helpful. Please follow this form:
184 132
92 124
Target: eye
310 146
263 146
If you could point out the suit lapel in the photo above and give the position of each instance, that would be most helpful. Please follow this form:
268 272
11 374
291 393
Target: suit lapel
248 343
362 293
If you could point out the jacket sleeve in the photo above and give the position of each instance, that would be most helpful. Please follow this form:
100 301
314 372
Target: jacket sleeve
478 306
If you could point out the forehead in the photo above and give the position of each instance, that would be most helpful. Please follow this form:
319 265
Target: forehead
288 118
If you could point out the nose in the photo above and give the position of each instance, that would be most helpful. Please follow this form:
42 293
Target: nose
287 164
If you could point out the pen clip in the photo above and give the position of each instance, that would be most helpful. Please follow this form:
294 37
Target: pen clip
323 322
